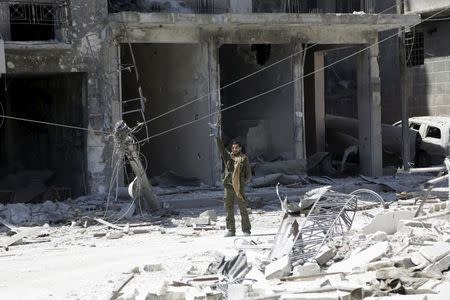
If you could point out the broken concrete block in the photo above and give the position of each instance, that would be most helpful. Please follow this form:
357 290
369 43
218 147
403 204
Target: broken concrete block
278 268
392 273
413 224
437 207
113 235
388 221
18 213
379 265
435 252
197 221
153 268
336 295
402 262
211 214
324 255
307 269
237 291
440 266
361 259
418 259
379 236
443 205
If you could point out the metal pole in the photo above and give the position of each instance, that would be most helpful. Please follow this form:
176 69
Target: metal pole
125 143
406 151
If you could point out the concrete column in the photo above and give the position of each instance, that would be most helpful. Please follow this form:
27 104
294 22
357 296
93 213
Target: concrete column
369 112
319 101
4 25
214 105
299 121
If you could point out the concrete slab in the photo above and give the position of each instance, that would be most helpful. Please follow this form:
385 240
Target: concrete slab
435 252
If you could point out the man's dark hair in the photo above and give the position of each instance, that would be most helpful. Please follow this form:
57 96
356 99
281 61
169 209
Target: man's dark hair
234 142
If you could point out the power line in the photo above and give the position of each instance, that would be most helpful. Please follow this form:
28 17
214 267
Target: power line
287 83
53 124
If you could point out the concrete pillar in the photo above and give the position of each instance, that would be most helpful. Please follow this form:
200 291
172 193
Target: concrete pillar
319 101
299 121
369 112
4 25
214 105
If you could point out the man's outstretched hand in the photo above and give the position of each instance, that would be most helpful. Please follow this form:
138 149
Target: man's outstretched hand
215 128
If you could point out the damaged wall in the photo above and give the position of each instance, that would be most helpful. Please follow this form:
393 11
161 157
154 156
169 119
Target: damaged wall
97 58
431 81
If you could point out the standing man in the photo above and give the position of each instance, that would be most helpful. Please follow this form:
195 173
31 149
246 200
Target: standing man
237 174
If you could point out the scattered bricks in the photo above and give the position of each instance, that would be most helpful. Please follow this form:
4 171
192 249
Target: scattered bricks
435 252
379 236
388 221
153 268
113 235
380 265
324 256
278 268
307 269
211 214
361 259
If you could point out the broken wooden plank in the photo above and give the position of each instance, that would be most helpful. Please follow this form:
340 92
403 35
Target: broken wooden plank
110 225
29 232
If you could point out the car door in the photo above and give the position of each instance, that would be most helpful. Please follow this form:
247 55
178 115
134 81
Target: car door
432 143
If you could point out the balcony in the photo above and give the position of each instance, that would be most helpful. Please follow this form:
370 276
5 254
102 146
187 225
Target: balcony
241 6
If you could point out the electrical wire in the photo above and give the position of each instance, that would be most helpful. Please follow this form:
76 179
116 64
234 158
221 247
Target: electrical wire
53 124
285 84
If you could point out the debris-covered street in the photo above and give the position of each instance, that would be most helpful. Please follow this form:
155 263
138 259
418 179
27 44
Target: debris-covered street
225 149
177 253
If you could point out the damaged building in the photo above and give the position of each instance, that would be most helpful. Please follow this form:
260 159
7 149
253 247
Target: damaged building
168 68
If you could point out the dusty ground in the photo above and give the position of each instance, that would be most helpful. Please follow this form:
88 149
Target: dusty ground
70 263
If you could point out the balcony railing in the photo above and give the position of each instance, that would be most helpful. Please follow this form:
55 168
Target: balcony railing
242 6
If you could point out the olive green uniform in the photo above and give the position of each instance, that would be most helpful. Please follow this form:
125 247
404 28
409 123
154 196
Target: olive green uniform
230 194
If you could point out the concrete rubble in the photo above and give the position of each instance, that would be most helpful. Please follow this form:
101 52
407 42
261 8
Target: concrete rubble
388 253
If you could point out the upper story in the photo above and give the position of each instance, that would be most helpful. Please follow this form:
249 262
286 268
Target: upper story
34 24
427 7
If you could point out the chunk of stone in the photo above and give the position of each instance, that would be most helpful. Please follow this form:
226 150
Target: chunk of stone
402 262
278 268
211 214
153 268
388 221
379 236
392 273
379 265
197 221
237 291
114 235
440 266
324 255
418 259
435 252
437 206
361 259
307 269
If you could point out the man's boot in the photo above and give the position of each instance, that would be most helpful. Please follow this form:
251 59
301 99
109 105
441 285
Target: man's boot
229 233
